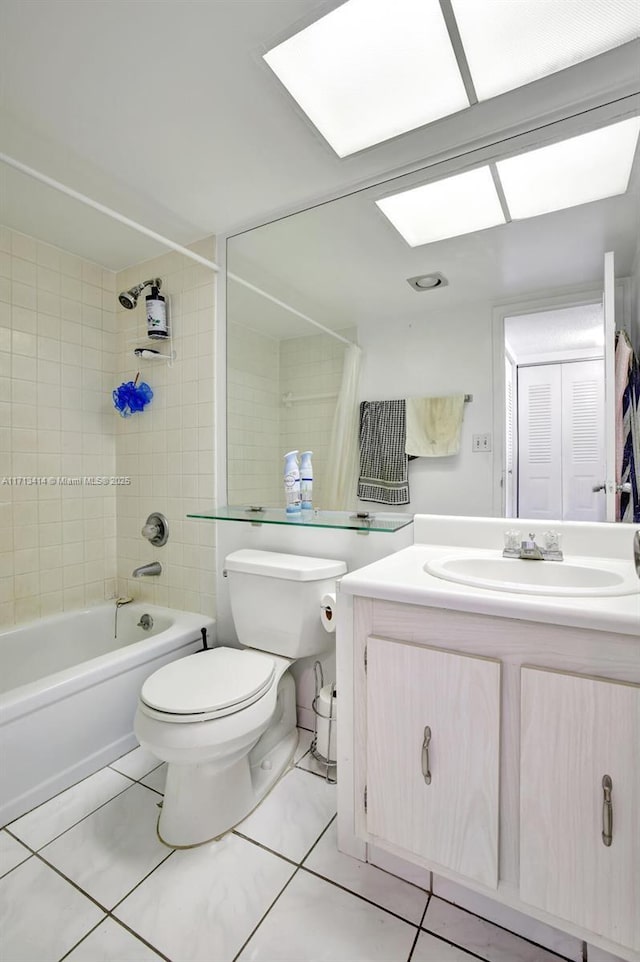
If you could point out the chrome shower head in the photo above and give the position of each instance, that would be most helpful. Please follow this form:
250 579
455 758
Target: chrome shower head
129 298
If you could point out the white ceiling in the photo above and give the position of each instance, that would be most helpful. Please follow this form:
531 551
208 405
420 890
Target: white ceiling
167 112
344 264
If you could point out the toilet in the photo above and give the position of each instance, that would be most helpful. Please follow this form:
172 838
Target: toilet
225 719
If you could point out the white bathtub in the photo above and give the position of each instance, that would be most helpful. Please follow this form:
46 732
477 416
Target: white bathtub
69 689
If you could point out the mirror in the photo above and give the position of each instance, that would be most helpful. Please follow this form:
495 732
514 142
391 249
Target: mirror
344 265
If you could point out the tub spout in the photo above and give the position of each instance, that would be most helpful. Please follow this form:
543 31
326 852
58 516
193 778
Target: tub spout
153 568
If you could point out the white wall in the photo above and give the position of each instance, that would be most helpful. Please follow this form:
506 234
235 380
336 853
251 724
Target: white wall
446 353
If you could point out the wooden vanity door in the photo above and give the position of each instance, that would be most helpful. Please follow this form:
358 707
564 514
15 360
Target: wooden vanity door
576 730
434 713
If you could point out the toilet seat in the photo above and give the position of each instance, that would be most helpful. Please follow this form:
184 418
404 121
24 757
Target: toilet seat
208 684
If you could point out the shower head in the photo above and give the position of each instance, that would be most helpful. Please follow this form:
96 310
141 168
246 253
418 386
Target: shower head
129 298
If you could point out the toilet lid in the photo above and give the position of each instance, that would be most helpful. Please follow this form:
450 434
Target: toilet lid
209 681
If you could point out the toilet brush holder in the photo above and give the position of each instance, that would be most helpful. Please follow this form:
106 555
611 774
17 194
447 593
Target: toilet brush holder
324 705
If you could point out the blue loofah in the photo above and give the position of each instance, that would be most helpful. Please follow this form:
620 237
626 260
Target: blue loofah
131 397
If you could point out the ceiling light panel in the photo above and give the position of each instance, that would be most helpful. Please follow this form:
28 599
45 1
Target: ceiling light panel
371 70
575 171
446 208
508 44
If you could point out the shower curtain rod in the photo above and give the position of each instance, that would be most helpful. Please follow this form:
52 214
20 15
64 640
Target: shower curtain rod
287 307
141 229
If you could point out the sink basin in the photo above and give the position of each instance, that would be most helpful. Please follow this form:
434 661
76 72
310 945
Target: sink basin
533 577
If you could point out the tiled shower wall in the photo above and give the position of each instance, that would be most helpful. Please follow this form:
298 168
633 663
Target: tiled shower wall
261 426
253 418
168 449
57 425
311 366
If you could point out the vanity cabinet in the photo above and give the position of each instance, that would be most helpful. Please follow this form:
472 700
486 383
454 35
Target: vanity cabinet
524 720
433 755
580 801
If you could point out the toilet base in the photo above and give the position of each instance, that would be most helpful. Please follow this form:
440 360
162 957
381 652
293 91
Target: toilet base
203 802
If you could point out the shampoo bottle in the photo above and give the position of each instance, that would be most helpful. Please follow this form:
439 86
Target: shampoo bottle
291 482
306 481
157 326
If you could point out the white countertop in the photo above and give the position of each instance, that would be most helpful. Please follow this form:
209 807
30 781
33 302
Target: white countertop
401 577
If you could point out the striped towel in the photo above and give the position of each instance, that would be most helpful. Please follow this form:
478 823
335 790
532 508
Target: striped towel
630 501
384 472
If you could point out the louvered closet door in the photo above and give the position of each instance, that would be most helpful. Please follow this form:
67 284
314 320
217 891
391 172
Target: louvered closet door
583 440
539 442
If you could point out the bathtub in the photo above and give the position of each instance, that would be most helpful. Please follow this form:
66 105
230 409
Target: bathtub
69 689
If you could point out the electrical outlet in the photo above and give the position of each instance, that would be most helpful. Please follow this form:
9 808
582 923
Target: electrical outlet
481 442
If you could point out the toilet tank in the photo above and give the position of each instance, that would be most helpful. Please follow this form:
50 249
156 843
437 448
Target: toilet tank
275 600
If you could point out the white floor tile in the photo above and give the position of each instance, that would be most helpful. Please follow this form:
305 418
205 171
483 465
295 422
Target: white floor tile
49 820
476 935
430 949
314 921
386 891
111 943
293 815
565 945
136 763
41 915
11 853
111 850
203 903
156 779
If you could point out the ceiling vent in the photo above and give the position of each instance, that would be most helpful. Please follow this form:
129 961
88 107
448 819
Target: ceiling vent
427 282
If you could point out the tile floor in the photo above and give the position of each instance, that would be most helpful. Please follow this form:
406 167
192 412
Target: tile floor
85 879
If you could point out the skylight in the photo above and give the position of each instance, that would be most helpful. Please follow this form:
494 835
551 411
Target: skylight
446 208
513 43
371 70
575 171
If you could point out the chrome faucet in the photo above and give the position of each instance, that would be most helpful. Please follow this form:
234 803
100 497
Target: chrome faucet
530 551
153 568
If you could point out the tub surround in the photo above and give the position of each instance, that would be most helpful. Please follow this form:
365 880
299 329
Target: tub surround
56 729
483 721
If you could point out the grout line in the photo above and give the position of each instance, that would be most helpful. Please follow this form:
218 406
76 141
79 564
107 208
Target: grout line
417 936
516 935
149 945
138 884
82 891
272 851
363 898
76 944
84 817
63 790
255 929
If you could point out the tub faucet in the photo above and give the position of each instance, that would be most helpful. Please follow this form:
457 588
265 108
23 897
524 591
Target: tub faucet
153 568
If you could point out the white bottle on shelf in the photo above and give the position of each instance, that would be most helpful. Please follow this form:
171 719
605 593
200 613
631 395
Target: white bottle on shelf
306 481
291 483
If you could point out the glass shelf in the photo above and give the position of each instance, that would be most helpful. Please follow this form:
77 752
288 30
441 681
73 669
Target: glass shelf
376 521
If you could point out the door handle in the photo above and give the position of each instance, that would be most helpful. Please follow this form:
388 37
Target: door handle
425 755
598 487
607 811
636 552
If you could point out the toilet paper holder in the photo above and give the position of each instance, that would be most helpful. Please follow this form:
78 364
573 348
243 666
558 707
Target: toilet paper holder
323 745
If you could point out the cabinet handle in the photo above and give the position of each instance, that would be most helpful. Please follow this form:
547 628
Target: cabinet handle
425 755
607 811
